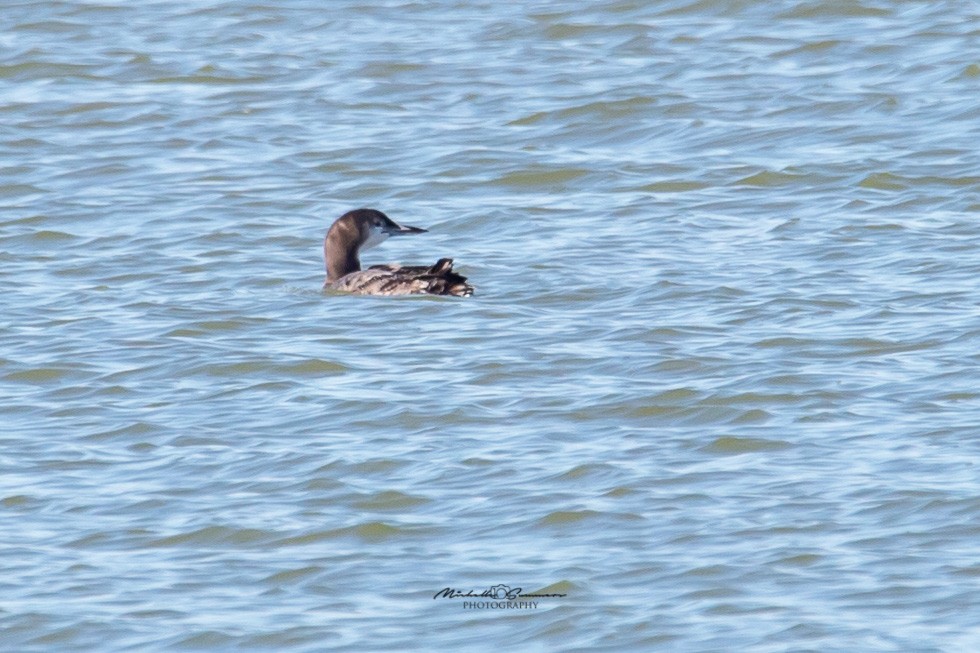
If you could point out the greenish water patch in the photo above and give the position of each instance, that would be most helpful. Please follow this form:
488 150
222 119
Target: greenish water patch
18 190
568 517
389 500
214 536
542 178
883 181
676 186
377 531
42 376
16 501
772 179
292 576
314 367
740 445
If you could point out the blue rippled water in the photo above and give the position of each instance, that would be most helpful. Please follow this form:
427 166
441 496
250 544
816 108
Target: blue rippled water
716 390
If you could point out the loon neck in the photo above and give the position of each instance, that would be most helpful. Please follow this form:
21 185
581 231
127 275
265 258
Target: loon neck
340 260
340 249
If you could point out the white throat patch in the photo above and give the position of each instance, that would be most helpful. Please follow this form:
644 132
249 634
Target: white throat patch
376 236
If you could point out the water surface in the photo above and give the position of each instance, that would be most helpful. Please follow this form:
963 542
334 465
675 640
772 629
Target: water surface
717 386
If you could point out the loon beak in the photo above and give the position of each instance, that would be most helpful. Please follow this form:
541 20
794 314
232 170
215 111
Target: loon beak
395 229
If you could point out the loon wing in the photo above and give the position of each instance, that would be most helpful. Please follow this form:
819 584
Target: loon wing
438 279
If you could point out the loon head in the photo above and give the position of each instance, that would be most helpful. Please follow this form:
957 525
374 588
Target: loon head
354 231
375 227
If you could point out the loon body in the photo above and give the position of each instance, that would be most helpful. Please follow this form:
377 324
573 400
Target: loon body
364 228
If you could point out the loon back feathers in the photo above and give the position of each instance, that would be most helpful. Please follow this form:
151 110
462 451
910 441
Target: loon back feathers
438 279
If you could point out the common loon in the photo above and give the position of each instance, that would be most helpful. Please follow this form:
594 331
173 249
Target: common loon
361 229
